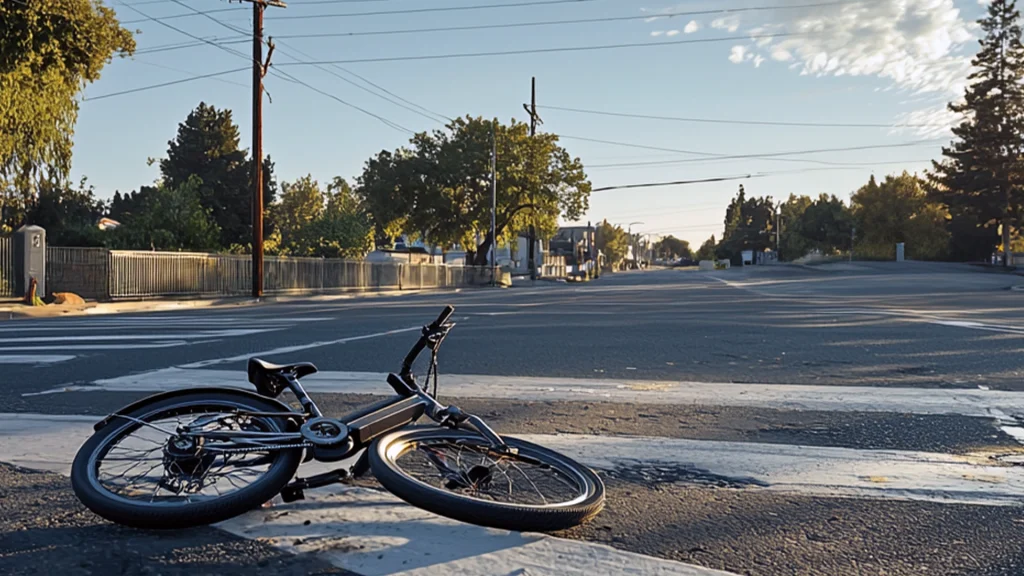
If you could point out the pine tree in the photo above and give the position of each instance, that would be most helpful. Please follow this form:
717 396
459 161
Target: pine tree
981 175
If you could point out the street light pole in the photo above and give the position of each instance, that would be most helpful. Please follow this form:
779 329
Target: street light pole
494 201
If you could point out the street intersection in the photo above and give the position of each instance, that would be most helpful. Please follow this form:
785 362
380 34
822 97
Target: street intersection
843 419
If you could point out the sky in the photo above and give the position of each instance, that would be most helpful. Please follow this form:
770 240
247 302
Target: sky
887 67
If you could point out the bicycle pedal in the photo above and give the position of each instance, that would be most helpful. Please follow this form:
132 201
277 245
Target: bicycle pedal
292 493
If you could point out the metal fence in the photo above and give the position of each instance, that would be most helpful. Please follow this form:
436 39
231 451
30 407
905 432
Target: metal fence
6 267
138 274
79 270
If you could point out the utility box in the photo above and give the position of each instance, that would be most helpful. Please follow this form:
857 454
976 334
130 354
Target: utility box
899 251
29 259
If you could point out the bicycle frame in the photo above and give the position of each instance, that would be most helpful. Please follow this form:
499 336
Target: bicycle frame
368 423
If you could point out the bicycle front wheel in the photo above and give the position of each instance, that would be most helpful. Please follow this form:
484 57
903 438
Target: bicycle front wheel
456 474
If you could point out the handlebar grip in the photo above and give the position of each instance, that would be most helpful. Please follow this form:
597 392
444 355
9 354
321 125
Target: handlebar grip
445 315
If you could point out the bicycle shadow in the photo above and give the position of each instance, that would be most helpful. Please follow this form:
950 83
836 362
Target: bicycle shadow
372 532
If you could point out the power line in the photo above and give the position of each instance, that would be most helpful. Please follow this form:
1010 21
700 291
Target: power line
666 15
769 155
164 84
285 75
739 122
389 12
677 182
551 50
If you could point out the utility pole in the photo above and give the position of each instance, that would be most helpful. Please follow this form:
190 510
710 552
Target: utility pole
494 201
259 70
531 109
853 238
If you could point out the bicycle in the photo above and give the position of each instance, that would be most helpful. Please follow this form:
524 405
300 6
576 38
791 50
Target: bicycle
460 457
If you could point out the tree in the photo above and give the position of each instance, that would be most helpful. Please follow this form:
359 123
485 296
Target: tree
331 225
826 225
207 146
898 210
69 215
49 51
749 225
673 247
980 178
613 241
440 187
301 203
168 217
792 243
707 249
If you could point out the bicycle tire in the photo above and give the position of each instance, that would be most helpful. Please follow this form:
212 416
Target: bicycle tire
506 516
117 509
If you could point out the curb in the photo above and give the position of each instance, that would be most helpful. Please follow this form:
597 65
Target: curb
144 306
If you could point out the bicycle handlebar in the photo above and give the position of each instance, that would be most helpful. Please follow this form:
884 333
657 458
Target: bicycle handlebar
422 342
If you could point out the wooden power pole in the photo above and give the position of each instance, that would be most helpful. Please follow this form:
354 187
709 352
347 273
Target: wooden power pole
531 109
259 70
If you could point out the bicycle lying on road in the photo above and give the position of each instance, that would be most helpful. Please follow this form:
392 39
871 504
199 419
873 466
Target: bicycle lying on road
254 444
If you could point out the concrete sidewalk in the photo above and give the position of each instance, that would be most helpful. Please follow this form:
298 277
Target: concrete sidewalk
14 309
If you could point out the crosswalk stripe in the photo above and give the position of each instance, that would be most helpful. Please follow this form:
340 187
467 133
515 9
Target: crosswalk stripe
964 402
106 337
33 358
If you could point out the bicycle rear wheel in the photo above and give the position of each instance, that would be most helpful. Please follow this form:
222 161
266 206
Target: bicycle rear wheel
454 473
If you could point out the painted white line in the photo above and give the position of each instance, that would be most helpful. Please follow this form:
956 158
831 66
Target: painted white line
111 346
815 470
965 402
296 348
163 336
33 358
50 442
365 531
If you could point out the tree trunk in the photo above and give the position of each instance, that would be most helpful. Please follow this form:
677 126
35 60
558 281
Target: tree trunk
483 252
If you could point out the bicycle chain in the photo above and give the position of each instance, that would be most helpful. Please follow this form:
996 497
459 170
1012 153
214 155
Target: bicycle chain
259 448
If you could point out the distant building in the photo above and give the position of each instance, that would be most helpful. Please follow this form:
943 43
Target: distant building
107 224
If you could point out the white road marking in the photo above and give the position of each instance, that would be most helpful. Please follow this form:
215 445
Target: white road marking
158 337
965 402
33 358
49 442
296 348
111 346
366 531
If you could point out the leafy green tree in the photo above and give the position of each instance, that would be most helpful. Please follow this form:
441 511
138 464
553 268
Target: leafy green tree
707 249
793 244
898 210
980 178
826 225
69 215
168 217
749 225
207 146
49 51
673 247
613 241
302 202
440 187
331 225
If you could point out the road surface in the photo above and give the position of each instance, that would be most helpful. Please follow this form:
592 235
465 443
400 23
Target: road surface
844 419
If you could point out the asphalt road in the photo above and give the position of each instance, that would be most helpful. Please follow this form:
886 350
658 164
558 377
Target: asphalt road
876 325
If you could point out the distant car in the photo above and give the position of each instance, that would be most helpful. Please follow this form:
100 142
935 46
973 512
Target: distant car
685 262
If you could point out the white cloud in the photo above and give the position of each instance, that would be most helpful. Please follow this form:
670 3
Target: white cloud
657 33
730 23
929 122
737 54
691 27
673 33
758 60
915 44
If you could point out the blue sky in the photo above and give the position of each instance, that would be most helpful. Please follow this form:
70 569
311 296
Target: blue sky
855 62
